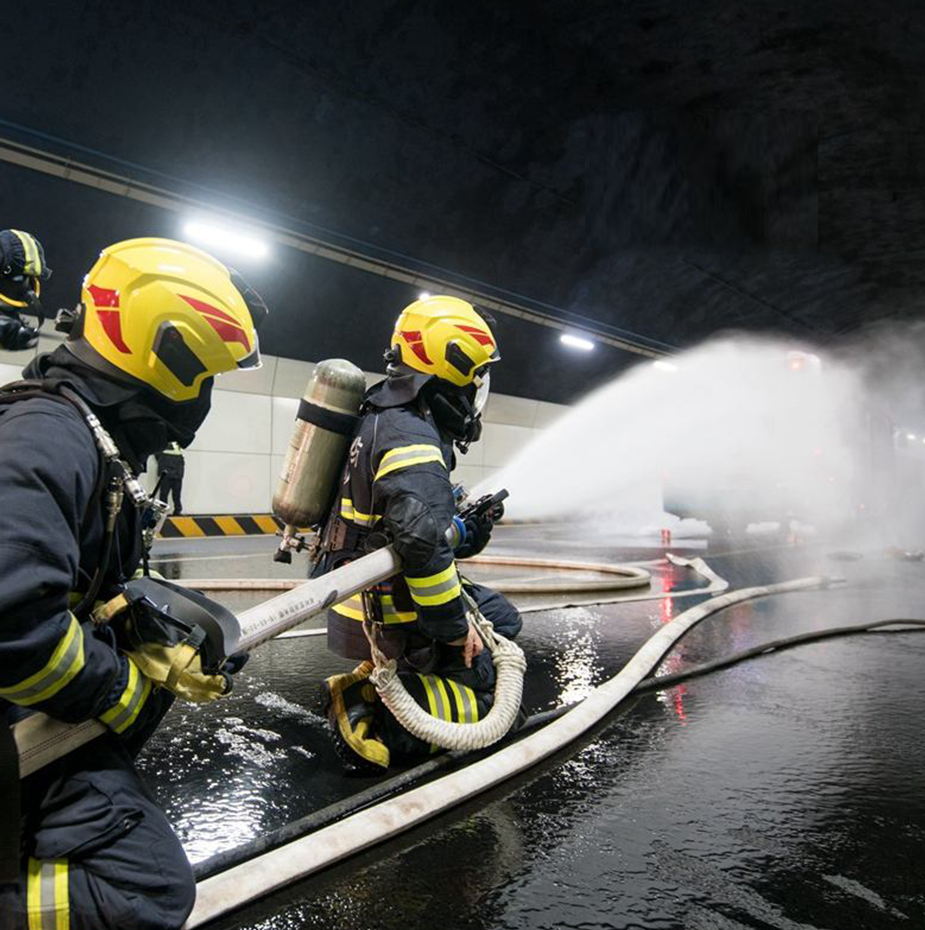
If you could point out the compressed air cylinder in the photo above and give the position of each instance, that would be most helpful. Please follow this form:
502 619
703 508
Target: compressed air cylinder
324 426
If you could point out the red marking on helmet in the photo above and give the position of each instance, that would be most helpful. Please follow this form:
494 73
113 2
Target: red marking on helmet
480 336
103 296
416 343
112 325
228 329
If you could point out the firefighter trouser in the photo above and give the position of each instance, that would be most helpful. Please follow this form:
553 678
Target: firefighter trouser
99 853
450 691
171 485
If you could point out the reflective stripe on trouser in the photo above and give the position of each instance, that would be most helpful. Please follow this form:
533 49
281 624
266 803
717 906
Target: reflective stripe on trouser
406 456
65 662
433 590
47 906
125 711
125 866
447 700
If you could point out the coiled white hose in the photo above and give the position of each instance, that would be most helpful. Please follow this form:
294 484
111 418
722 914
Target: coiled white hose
510 666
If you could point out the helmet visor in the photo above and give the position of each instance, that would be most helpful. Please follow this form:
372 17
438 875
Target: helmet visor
483 386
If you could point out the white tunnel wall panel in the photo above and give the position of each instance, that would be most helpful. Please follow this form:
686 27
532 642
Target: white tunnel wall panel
284 411
468 475
291 377
238 422
250 380
225 482
547 413
501 442
9 372
233 464
514 411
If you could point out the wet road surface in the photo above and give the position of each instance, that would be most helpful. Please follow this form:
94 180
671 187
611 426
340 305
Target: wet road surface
785 792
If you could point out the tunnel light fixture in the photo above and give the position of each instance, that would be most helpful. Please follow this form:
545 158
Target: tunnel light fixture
220 236
663 365
576 342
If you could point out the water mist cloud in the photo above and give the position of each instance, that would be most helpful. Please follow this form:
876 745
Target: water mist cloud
738 415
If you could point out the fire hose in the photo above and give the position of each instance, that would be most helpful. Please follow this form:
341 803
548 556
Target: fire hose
41 739
510 665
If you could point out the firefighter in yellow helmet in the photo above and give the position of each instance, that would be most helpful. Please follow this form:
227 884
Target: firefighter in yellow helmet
157 321
396 487
22 270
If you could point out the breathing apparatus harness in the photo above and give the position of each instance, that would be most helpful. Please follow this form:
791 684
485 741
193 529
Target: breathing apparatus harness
115 481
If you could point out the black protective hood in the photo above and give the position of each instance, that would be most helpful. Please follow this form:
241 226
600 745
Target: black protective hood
140 421
397 390
450 406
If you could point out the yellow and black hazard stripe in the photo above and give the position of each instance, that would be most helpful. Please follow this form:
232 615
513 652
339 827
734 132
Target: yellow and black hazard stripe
47 903
252 524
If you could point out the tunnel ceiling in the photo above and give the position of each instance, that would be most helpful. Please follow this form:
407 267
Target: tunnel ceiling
670 169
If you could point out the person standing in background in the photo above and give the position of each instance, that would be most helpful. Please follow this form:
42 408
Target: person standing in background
170 466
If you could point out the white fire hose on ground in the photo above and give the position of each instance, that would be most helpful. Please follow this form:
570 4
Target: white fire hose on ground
258 877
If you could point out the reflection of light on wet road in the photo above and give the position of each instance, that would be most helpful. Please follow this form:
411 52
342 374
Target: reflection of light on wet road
577 666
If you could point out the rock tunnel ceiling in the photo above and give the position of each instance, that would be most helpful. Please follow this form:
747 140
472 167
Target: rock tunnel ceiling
668 171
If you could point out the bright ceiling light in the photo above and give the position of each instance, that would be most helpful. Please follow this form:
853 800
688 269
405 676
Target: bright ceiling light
224 238
424 295
576 342
662 365
910 436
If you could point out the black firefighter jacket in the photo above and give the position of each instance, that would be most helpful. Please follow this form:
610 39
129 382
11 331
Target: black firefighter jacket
51 530
397 480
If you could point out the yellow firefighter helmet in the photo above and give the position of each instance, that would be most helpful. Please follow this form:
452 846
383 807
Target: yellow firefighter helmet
166 315
445 337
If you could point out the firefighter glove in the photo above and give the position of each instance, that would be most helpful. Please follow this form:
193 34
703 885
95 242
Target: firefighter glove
478 533
178 668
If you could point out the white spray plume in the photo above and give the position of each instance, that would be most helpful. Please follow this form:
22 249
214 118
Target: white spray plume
734 416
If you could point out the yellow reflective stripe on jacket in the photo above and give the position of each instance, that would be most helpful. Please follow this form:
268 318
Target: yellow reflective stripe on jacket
125 711
349 512
433 590
352 607
32 267
466 704
65 662
406 456
391 615
47 904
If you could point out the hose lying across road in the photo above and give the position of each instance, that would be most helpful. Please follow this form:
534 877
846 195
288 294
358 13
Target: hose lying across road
230 889
389 786
613 578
